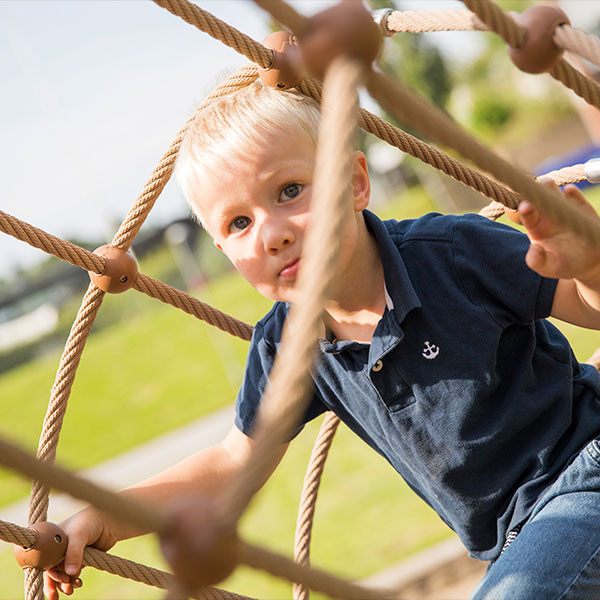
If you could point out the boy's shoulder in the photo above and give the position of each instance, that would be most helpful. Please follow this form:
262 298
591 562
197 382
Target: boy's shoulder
270 327
441 227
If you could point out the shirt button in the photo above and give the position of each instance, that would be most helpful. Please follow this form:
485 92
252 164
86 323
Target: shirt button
378 366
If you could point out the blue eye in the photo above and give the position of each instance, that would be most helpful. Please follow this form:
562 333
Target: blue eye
239 223
290 191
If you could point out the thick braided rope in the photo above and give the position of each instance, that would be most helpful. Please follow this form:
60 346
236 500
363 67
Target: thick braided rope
421 21
308 497
60 392
15 534
317 580
512 33
170 295
490 17
129 569
385 131
566 175
50 244
156 289
583 86
87 314
163 171
148 518
395 136
578 41
285 397
425 152
573 174
219 30
240 79
493 211
433 123
497 20
123 508
110 563
144 203
283 13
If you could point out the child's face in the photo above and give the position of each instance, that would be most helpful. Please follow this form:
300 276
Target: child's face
258 210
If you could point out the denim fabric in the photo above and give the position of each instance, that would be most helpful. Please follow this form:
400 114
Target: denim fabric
556 555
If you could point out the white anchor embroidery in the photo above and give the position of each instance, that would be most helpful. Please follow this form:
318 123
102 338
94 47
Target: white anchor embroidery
430 351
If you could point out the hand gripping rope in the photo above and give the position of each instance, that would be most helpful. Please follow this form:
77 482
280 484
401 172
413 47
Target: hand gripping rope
329 43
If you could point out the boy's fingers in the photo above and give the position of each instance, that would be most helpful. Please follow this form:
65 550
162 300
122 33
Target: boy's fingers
536 258
50 588
530 216
57 575
575 195
74 555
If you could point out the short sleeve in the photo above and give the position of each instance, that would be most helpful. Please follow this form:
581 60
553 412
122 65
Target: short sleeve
259 363
258 366
490 262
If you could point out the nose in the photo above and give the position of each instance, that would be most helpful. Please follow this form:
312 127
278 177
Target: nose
277 234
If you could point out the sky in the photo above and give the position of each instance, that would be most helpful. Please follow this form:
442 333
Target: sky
93 93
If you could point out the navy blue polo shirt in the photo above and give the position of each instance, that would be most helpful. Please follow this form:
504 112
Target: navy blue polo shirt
470 395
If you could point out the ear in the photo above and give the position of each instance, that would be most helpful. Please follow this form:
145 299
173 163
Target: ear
361 184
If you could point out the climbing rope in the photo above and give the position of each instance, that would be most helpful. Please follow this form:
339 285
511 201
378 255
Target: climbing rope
149 518
578 41
565 36
286 395
219 30
116 565
308 496
277 417
50 244
419 21
433 123
513 34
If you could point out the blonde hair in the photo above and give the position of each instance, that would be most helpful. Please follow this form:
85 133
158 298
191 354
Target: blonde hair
234 125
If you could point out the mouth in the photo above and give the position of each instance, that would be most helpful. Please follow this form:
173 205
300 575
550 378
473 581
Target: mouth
290 269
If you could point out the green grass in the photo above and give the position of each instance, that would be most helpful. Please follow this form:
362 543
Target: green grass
354 535
146 376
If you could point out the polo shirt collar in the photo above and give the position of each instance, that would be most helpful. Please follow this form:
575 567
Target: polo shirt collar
399 289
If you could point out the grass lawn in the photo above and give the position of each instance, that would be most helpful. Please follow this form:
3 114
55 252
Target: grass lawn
154 372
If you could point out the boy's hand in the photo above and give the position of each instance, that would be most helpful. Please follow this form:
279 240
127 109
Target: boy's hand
556 251
85 528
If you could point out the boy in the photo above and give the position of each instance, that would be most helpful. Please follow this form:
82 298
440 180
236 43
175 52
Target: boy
434 351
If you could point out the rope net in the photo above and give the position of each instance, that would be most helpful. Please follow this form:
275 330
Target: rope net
289 379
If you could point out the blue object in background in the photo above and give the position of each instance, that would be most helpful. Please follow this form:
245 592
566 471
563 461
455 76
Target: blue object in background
581 155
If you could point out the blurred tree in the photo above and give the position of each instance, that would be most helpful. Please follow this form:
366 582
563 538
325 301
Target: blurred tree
414 60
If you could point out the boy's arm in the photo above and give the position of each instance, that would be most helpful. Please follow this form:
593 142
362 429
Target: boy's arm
557 252
207 472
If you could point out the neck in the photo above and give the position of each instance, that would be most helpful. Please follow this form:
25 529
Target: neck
358 302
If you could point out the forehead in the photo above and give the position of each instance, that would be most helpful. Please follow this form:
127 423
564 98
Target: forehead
240 173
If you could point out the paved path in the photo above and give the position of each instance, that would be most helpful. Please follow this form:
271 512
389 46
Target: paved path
137 464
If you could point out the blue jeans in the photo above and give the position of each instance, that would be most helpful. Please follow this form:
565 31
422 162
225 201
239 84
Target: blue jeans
556 555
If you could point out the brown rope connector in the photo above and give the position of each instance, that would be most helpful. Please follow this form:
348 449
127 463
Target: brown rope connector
346 28
537 52
286 70
200 551
120 273
47 550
